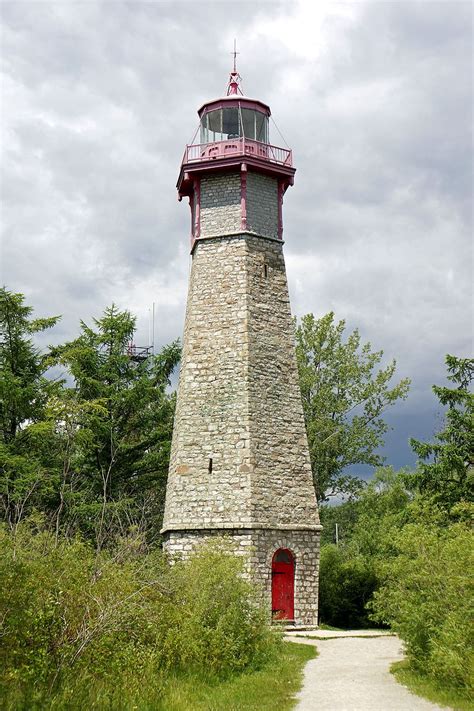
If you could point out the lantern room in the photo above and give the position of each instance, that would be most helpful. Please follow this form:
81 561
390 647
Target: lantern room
233 129
231 117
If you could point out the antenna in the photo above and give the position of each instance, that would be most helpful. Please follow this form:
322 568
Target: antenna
153 330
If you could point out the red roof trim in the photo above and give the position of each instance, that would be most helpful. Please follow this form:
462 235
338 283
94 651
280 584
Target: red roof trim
234 102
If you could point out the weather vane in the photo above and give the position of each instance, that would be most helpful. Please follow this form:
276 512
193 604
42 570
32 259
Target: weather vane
235 78
235 53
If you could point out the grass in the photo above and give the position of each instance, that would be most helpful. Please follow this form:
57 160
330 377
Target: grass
429 689
273 687
322 626
375 635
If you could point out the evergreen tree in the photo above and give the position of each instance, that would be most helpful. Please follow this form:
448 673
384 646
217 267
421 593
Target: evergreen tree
90 451
24 393
446 466
124 422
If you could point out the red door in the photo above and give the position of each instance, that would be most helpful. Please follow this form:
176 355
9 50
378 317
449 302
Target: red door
283 585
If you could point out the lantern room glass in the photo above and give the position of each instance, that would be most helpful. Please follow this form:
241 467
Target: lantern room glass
234 122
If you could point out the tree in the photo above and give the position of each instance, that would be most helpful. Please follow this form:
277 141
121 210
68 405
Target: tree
24 393
344 398
89 452
349 572
123 418
347 583
23 387
446 469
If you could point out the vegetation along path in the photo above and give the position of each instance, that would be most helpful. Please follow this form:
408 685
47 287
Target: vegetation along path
352 673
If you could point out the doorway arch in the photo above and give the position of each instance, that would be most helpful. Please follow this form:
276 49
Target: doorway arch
283 585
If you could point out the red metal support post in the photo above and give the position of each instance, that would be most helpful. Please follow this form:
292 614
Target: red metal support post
243 196
197 208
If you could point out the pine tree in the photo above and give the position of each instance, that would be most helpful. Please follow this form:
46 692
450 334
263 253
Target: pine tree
24 392
124 425
446 466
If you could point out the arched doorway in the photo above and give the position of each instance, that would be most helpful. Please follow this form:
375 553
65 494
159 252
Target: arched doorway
283 585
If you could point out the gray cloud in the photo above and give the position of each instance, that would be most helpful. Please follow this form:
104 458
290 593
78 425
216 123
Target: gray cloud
375 99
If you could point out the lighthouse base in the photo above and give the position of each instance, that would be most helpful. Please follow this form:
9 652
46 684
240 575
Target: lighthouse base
283 563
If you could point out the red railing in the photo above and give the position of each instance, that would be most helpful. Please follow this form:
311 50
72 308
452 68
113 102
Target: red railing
237 147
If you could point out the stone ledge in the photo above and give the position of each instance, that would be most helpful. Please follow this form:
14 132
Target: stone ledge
246 527
239 233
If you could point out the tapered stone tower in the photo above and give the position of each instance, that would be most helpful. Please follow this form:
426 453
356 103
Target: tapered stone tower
240 462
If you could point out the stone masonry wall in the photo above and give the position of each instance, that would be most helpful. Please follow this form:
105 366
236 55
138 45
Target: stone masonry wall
220 204
282 485
258 548
239 402
262 204
211 419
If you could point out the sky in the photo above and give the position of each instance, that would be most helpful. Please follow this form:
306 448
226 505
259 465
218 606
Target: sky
98 100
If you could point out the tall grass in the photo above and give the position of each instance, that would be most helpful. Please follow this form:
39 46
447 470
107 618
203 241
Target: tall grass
86 630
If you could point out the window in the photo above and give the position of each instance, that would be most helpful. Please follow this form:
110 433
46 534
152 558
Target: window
233 122
214 123
283 556
261 123
230 123
248 121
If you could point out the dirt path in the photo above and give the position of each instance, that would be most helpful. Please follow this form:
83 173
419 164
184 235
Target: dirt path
352 674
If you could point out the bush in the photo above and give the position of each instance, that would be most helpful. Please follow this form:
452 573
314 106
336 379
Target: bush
215 621
87 630
426 597
347 582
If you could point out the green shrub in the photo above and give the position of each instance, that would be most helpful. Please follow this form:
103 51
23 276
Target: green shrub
347 582
83 630
215 620
426 597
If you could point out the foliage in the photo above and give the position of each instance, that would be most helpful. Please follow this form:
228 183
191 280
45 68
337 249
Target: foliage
24 393
91 451
345 515
117 474
347 582
74 619
446 469
223 624
383 507
348 572
23 388
426 596
344 398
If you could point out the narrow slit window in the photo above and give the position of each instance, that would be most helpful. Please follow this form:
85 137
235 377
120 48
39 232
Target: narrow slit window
265 271
210 465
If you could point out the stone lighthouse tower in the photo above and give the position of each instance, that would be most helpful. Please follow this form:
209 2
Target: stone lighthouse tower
240 462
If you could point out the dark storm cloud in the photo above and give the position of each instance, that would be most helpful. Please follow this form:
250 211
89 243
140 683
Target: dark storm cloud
99 100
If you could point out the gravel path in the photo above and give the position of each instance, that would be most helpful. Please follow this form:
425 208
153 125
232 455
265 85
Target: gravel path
352 674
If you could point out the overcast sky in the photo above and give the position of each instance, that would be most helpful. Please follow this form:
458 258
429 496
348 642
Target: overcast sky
375 98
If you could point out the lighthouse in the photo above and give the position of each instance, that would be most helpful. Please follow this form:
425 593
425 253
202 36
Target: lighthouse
240 463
